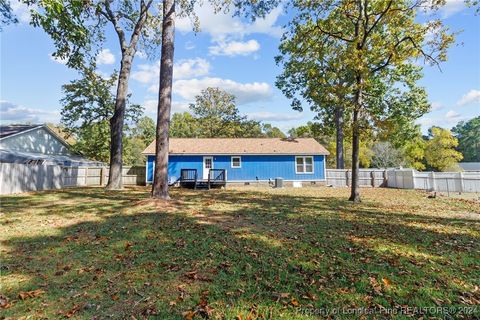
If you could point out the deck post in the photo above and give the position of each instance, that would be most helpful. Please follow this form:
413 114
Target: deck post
195 184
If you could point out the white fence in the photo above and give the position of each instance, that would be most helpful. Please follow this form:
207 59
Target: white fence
434 181
18 178
408 179
366 177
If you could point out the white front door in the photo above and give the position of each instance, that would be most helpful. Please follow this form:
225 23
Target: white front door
207 165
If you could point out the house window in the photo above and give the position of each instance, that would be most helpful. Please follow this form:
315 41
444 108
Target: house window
236 162
304 165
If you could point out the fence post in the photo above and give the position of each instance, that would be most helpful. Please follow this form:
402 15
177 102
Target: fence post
413 179
101 176
448 189
462 187
434 182
86 176
372 175
347 178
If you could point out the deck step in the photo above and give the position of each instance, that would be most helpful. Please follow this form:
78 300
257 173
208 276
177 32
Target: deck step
202 185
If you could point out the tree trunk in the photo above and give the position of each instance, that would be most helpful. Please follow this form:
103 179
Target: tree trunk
355 193
116 124
160 181
339 143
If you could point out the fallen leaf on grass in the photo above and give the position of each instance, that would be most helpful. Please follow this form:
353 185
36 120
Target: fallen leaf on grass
149 311
4 303
386 282
70 313
188 315
377 288
30 294
294 302
202 308
282 295
191 275
252 315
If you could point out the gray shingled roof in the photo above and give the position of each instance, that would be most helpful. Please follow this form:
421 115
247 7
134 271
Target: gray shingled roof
237 146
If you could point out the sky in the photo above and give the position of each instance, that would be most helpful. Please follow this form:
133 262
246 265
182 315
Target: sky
229 52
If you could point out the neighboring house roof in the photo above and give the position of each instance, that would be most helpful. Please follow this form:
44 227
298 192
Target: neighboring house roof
238 146
9 130
470 166
13 151
12 156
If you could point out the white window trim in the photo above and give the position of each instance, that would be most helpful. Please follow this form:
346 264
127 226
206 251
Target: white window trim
231 162
305 165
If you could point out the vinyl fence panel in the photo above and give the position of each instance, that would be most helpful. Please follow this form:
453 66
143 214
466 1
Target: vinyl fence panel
18 178
367 177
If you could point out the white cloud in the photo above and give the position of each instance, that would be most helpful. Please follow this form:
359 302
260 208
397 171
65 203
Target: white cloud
14 113
183 69
436 106
151 105
21 11
189 45
451 7
452 115
472 96
147 73
448 120
234 48
141 54
105 56
58 60
425 122
223 24
271 116
244 92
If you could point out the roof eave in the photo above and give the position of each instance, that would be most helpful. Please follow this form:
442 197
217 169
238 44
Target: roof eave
245 154
22 132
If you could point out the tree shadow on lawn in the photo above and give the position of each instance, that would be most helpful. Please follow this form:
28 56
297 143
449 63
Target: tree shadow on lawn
254 252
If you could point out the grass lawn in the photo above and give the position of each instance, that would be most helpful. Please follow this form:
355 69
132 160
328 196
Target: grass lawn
241 253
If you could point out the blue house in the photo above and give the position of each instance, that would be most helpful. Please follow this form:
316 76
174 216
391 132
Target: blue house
244 159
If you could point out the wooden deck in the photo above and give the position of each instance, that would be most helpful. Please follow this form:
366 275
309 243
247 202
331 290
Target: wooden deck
189 179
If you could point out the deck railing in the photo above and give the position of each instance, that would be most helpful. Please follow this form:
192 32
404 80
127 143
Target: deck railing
188 176
216 175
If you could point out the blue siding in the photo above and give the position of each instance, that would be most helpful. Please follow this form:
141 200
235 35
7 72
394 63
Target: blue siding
262 166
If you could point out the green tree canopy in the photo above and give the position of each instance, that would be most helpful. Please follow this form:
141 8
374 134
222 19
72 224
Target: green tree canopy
215 115
468 135
144 129
376 43
440 152
90 99
87 107
79 30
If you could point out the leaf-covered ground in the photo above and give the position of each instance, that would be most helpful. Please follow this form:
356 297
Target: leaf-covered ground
241 253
